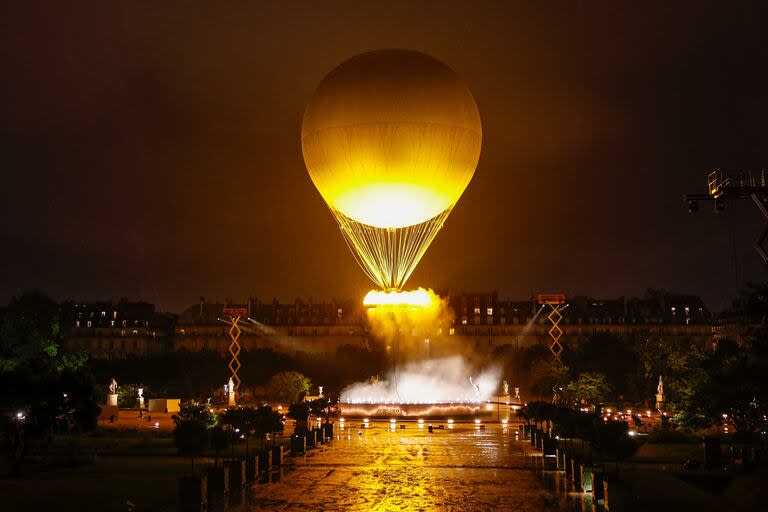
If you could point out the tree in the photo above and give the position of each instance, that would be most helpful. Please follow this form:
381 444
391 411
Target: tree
547 375
728 382
323 407
190 437
220 440
267 421
287 387
590 387
52 388
192 410
300 413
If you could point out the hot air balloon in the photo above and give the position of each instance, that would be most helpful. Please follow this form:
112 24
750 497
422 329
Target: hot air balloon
391 139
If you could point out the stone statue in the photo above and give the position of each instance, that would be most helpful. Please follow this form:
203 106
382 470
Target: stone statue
660 387
517 393
141 393
556 394
506 388
230 387
320 391
113 387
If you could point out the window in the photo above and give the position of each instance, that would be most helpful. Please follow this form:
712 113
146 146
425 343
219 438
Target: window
477 311
112 323
463 321
89 323
103 314
451 331
489 311
77 323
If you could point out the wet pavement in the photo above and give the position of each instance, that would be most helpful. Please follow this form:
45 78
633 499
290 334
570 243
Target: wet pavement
464 468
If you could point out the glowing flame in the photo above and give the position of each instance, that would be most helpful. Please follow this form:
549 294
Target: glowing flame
415 298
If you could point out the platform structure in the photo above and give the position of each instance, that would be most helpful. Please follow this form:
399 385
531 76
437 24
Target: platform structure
723 185
555 302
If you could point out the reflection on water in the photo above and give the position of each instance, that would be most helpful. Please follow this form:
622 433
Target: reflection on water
380 469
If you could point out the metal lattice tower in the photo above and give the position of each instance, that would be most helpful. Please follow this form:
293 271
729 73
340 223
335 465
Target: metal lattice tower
555 302
730 185
234 351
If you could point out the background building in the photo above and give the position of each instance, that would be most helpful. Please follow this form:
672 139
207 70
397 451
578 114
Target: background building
480 322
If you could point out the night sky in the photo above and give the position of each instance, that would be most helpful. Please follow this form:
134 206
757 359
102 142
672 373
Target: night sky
154 152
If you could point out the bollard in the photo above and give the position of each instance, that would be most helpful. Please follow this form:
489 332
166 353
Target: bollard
598 485
549 446
711 452
251 468
575 473
218 483
193 494
310 439
585 476
277 456
236 469
265 461
298 444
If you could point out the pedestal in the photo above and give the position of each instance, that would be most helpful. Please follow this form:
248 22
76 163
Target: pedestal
659 402
112 399
232 399
141 402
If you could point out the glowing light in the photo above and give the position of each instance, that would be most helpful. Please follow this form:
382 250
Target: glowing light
416 298
504 421
477 422
421 422
450 421
632 433
157 424
391 139
393 420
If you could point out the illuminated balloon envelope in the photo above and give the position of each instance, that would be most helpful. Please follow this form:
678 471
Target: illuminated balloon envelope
391 139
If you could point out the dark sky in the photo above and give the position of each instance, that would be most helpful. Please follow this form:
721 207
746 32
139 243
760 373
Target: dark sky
152 151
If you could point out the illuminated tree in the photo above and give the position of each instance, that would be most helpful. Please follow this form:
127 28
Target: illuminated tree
288 387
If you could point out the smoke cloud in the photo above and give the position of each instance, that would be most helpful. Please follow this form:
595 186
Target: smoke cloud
416 376
443 380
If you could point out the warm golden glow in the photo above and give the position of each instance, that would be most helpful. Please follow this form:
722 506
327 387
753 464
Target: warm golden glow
391 139
390 205
416 298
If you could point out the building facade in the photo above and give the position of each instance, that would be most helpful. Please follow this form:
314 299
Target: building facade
481 322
